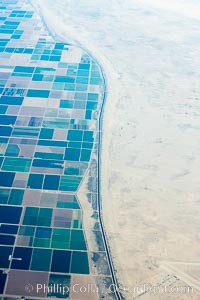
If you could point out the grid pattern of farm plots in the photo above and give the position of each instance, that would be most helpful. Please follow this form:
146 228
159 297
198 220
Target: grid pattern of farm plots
50 96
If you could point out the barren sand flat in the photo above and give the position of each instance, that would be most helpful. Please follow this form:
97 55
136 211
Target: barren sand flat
150 52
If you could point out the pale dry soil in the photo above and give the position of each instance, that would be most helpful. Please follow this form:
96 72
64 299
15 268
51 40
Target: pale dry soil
150 159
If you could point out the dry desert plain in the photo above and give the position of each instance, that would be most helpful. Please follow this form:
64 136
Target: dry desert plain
150 54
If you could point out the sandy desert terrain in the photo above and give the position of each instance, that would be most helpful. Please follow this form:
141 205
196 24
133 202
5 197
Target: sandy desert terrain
150 53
